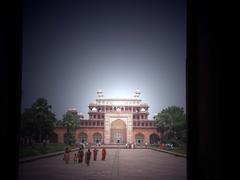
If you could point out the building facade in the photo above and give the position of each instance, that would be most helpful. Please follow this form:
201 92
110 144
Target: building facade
114 121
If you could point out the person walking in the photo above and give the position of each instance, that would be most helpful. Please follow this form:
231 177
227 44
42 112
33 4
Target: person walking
66 156
104 153
75 158
87 157
80 155
95 154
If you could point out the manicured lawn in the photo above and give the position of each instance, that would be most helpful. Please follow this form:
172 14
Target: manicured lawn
39 149
180 149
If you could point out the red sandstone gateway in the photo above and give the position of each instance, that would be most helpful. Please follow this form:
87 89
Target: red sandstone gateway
114 121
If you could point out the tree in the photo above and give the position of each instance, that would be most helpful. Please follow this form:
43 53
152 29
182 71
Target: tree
38 121
71 121
171 122
163 124
27 126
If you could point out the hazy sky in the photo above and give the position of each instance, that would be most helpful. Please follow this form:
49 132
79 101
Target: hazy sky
73 48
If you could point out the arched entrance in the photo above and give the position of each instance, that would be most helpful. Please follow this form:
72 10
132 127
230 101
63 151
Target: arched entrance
154 139
139 138
54 138
97 138
66 138
82 137
118 132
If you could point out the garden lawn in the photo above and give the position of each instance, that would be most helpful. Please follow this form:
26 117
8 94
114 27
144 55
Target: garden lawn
40 149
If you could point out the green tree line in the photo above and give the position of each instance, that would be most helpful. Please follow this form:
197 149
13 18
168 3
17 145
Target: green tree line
38 122
171 123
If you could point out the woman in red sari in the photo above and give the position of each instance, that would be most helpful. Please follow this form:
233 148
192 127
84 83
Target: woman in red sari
80 155
104 153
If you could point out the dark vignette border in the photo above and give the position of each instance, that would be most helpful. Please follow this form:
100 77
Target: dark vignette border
203 89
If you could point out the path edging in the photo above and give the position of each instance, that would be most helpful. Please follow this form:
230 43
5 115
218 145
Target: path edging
169 152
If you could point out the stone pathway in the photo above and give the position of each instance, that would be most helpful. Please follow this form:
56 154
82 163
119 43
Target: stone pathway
120 164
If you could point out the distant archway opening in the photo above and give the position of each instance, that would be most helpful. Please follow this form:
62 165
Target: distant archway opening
97 138
82 137
54 138
139 138
154 139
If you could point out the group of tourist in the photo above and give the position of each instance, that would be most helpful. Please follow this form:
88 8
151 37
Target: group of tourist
166 146
78 157
130 145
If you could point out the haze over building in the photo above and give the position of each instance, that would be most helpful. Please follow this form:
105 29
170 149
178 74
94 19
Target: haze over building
73 48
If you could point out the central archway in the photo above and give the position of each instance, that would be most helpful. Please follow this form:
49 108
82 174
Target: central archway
118 132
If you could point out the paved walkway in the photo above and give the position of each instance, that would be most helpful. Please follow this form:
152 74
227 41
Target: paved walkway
126 164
